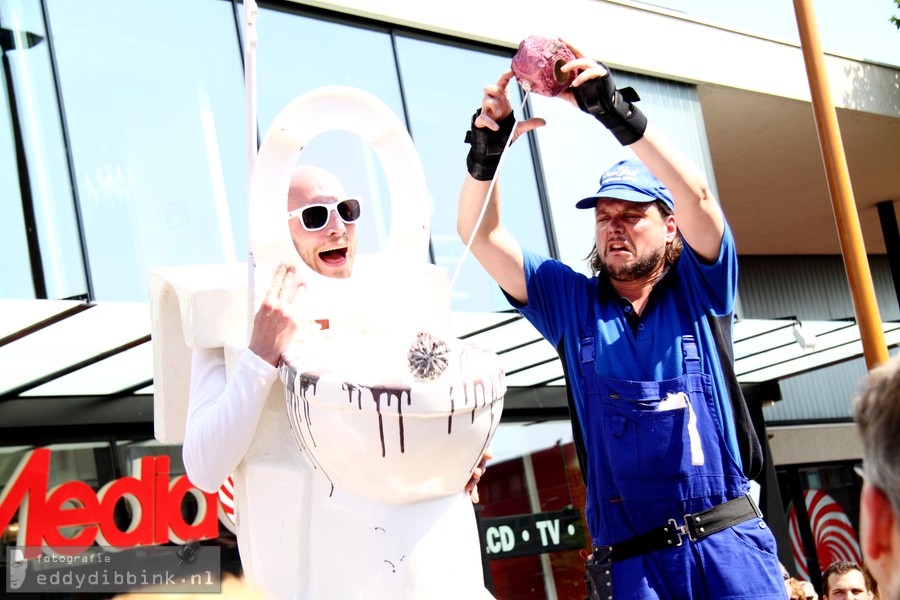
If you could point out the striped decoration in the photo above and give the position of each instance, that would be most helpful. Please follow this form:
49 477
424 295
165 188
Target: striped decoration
226 505
832 531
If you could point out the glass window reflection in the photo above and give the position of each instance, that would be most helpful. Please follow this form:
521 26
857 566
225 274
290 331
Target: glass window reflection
443 86
298 54
154 102
35 170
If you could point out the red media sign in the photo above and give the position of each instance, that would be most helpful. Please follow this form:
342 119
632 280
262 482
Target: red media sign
153 496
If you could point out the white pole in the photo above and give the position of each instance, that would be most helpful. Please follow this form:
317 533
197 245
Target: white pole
251 11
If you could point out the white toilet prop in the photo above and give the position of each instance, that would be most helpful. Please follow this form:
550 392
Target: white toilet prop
377 431
355 479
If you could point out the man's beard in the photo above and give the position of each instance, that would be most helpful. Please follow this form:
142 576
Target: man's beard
639 269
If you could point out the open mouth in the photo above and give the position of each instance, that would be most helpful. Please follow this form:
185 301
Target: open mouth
334 255
619 247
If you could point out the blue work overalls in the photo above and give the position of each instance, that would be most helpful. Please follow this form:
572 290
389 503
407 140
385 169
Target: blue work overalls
655 452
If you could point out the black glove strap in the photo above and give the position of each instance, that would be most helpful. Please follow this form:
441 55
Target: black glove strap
613 107
487 147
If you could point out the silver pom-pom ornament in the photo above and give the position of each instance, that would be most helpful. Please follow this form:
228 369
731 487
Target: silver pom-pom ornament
428 356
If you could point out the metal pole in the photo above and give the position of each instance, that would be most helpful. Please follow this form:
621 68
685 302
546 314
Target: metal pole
251 11
845 215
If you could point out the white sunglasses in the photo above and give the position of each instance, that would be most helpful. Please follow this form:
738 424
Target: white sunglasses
314 217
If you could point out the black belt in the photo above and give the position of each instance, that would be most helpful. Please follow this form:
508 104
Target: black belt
696 527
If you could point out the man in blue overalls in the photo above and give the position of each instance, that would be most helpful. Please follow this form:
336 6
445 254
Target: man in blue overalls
663 433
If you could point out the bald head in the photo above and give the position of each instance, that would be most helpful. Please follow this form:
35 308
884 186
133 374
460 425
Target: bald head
311 185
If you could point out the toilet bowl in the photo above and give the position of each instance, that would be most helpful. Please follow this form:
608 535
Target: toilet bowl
373 429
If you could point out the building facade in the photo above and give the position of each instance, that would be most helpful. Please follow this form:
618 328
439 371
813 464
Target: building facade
123 129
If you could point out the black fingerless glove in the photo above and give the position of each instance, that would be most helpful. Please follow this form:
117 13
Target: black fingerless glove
487 146
612 107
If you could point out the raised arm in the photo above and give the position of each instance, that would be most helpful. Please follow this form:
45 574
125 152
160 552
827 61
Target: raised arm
697 213
494 247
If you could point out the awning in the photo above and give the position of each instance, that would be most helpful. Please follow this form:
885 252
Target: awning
764 350
92 362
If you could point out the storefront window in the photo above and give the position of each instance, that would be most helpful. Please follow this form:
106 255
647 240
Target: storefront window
442 86
98 517
155 110
35 181
98 498
298 54
532 526
822 509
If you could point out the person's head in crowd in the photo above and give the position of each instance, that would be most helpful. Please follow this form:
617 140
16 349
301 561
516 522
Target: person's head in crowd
323 221
877 413
809 591
795 589
844 580
787 578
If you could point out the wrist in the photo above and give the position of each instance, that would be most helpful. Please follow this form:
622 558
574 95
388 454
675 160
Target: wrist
481 169
488 145
268 357
613 107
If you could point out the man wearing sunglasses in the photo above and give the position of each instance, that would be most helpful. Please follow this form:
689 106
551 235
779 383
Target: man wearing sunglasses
323 222
877 413
230 423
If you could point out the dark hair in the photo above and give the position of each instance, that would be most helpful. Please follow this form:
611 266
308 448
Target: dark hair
838 567
673 248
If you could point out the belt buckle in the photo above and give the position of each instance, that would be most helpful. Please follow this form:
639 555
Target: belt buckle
680 530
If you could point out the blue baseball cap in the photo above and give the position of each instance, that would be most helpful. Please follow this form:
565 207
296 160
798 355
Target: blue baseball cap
629 180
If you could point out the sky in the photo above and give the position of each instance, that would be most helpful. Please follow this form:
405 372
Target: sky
856 29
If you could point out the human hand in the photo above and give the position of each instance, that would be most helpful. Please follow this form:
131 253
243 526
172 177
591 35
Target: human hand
477 474
589 69
595 92
277 320
495 107
492 126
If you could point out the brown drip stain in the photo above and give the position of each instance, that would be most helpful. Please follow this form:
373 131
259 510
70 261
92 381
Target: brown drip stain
452 408
399 393
310 380
353 388
306 381
377 393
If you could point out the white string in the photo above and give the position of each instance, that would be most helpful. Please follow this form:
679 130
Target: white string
487 198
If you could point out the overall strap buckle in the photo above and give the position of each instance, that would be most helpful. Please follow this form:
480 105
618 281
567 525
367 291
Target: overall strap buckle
676 531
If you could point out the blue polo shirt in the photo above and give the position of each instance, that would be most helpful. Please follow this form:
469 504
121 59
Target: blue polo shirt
692 298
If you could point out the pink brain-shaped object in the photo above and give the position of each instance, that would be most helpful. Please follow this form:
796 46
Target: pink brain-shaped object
537 62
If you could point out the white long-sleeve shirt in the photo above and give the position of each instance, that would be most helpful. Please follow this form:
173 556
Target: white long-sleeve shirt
222 416
237 425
